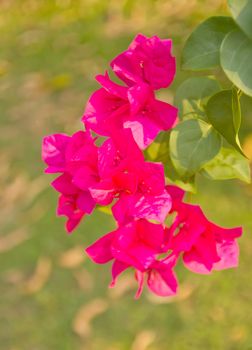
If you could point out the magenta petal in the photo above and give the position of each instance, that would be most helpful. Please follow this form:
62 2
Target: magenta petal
125 181
143 129
73 222
144 256
166 115
139 96
222 233
139 39
63 184
193 224
125 68
77 141
67 207
148 60
158 65
80 151
117 268
111 87
151 234
140 279
53 152
120 209
228 251
176 193
142 207
120 153
106 158
194 262
152 207
152 178
124 249
85 202
162 283
85 177
137 243
100 251
103 192
168 262
126 146
101 107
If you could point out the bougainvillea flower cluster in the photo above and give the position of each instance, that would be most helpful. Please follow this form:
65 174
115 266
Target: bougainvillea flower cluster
104 165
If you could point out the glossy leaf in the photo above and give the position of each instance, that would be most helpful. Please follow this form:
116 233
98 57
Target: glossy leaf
241 11
193 94
159 151
185 182
151 153
202 48
193 143
236 111
223 113
236 58
228 164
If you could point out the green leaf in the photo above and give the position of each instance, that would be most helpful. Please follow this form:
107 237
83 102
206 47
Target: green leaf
241 11
236 58
151 153
228 164
192 95
159 151
223 112
202 48
193 143
236 107
184 182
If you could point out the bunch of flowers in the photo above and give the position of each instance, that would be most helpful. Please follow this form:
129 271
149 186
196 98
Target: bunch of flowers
116 174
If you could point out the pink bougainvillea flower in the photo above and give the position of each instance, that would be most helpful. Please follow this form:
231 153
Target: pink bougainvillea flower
150 201
71 156
119 154
138 245
81 152
177 195
161 280
67 206
114 107
118 160
64 184
114 170
205 246
53 152
63 153
146 60
135 244
138 185
73 202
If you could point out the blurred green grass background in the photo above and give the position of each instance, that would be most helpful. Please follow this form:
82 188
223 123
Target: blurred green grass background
51 297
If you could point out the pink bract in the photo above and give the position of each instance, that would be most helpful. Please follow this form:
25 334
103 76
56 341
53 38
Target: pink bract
69 156
67 206
161 280
204 245
53 152
138 245
114 107
138 185
147 60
